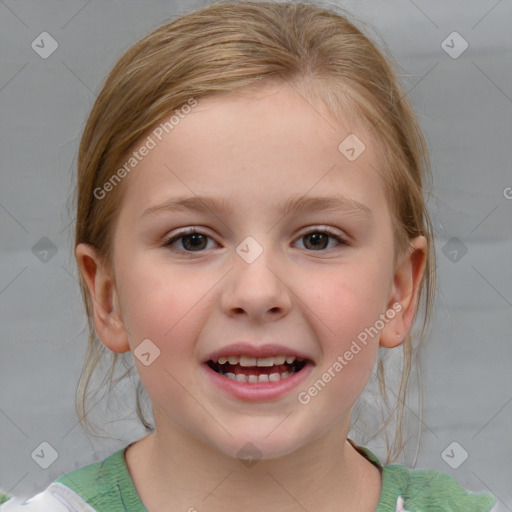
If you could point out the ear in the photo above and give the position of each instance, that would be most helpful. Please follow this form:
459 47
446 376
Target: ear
107 317
404 290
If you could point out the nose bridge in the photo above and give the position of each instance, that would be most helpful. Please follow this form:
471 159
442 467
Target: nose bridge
256 284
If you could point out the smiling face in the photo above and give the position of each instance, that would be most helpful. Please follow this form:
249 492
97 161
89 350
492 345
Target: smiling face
260 270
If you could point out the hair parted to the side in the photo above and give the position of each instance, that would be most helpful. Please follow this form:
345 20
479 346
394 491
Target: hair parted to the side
234 46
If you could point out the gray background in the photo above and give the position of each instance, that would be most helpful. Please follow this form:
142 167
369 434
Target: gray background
464 105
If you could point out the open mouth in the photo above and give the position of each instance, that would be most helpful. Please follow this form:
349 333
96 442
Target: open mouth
256 370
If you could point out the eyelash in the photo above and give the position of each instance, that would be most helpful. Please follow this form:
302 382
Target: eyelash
327 231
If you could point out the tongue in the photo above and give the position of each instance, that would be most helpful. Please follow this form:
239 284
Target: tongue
255 370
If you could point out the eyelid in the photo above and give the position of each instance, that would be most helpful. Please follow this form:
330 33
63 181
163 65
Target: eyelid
171 239
324 229
186 231
340 237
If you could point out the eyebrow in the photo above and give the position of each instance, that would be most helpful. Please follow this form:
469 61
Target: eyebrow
293 205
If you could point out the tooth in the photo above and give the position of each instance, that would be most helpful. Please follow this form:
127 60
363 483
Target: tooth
290 359
285 374
230 375
240 377
247 361
263 377
274 377
233 359
279 359
253 379
265 361
222 360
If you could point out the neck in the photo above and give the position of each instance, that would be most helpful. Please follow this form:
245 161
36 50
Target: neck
171 466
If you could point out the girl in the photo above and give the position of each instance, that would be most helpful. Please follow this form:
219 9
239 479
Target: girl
251 227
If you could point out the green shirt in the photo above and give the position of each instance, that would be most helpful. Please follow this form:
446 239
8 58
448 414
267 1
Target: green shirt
107 487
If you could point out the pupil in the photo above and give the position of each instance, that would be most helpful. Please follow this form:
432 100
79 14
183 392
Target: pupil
194 239
317 238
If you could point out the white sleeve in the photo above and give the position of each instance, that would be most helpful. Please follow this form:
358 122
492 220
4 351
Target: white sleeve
55 498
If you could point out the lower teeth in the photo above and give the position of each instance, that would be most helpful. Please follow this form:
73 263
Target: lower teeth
255 379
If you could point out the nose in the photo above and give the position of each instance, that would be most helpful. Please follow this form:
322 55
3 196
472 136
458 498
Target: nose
257 289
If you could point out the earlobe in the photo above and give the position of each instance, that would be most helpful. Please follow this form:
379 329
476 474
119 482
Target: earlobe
405 291
101 285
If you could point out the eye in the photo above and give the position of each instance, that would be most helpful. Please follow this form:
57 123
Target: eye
191 241
319 238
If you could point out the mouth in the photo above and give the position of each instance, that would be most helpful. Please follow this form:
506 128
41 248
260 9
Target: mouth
256 370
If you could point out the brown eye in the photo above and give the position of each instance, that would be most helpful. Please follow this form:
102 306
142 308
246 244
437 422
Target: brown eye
190 241
318 239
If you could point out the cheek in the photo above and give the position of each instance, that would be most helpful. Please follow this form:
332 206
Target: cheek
343 308
169 307
162 306
342 314
167 310
352 297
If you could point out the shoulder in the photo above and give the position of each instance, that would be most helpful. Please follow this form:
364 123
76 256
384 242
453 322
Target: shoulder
56 497
101 486
430 491
424 490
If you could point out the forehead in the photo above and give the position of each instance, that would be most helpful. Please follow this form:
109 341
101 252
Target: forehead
255 147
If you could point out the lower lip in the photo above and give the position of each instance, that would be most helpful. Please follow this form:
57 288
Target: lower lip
258 391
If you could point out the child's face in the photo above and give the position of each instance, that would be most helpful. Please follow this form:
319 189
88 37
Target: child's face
309 294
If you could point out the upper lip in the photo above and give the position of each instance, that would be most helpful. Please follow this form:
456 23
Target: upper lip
251 350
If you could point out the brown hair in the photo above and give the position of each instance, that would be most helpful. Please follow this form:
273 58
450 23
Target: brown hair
226 47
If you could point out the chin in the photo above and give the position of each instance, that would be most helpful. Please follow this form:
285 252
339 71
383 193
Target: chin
260 443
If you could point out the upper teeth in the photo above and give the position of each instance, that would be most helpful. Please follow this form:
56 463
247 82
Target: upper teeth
253 361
